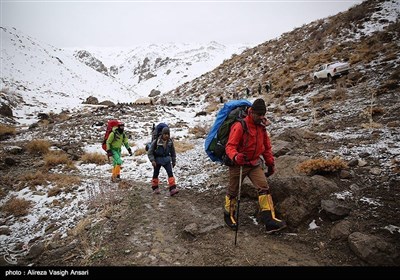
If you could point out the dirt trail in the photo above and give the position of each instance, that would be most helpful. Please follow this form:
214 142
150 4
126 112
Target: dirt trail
188 230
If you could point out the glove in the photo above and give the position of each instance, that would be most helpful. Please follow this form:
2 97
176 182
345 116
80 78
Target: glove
271 170
240 159
173 164
154 163
130 151
109 153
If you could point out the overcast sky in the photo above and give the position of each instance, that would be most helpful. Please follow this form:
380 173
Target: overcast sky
127 23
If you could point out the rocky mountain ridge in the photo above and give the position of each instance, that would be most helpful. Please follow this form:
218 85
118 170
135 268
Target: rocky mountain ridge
40 78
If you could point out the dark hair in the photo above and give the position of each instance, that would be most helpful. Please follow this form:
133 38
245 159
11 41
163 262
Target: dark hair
259 106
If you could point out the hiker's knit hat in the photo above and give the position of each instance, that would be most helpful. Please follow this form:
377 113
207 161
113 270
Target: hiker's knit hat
165 130
259 106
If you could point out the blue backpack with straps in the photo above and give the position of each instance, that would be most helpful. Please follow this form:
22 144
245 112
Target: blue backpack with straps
232 111
156 132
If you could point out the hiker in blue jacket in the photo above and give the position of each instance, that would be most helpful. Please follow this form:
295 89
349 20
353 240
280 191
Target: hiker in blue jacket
162 154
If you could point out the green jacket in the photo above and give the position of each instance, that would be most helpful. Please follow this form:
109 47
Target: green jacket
116 139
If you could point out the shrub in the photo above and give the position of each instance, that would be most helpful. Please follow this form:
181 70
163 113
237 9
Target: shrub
66 182
321 166
212 108
44 179
17 206
389 85
54 191
104 196
6 131
38 147
33 179
140 151
199 131
96 158
339 94
55 158
182 146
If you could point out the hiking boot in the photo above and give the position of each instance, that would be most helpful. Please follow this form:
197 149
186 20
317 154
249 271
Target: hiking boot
115 180
173 191
231 223
229 211
275 225
267 214
156 190
271 224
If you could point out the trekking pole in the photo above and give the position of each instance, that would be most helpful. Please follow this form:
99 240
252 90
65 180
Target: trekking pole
238 202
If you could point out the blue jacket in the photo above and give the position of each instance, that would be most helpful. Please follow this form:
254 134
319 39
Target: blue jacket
160 154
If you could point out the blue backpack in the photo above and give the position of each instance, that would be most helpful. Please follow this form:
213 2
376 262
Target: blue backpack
155 133
234 110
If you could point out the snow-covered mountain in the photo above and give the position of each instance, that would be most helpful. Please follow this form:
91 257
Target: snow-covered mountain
37 77
163 67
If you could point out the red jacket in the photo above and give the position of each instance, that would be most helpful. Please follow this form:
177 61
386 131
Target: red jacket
253 143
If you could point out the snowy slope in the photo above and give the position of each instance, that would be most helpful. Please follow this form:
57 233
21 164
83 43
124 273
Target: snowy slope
37 77
48 78
164 67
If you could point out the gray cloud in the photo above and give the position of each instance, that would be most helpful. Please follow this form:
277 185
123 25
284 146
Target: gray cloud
127 23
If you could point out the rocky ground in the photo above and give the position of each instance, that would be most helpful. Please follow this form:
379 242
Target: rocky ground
335 219
188 230
347 216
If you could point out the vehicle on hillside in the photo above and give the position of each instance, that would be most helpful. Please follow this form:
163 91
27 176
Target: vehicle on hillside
332 70
175 101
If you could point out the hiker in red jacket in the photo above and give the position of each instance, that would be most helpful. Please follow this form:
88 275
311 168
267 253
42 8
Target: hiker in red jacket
244 148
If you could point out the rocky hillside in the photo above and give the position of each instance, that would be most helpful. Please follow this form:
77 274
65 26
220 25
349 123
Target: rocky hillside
337 158
160 68
91 61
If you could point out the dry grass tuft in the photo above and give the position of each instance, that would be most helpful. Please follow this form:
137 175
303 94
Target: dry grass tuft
81 227
16 206
182 146
371 124
339 94
54 191
321 166
105 196
212 108
140 151
44 179
6 131
199 131
389 85
38 147
33 179
96 158
66 182
55 158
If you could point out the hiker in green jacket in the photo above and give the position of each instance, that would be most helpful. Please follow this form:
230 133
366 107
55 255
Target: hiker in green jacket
115 140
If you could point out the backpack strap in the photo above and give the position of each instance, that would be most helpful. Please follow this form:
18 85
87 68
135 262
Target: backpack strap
153 144
245 130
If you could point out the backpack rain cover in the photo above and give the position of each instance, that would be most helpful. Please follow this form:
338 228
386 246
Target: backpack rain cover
221 116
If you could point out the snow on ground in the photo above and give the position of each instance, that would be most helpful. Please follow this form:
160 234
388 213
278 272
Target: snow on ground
189 173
